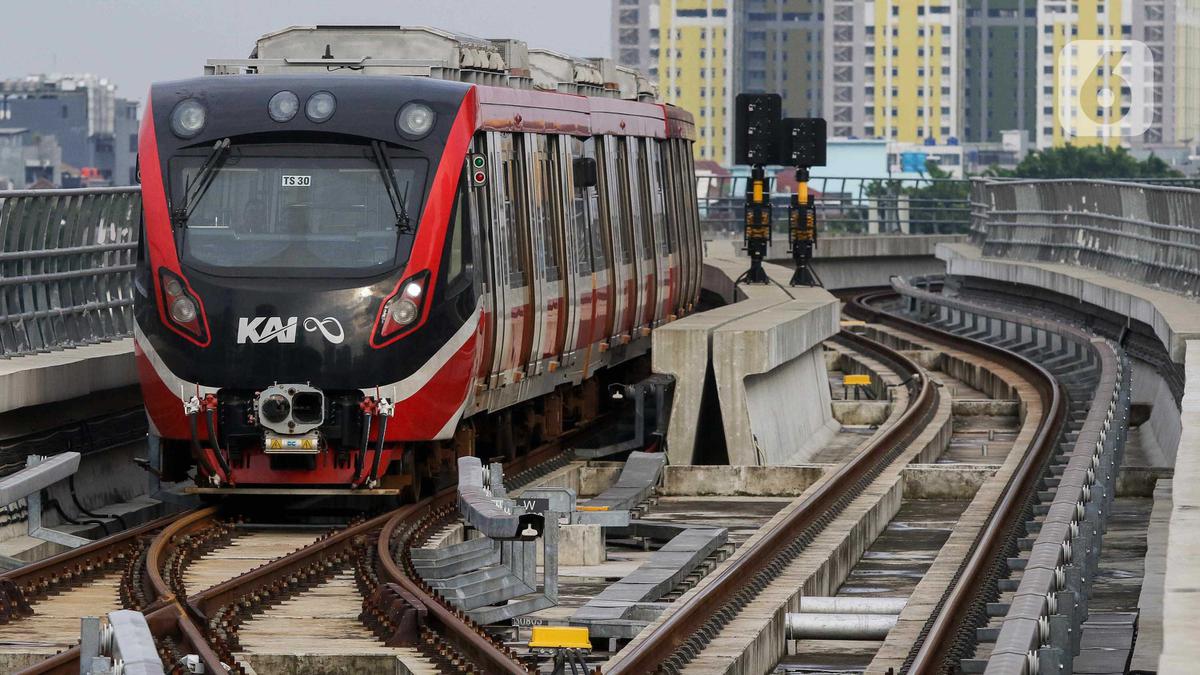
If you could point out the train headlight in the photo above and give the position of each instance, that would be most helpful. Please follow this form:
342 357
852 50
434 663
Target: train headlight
415 120
320 107
283 106
188 118
403 312
275 408
183 310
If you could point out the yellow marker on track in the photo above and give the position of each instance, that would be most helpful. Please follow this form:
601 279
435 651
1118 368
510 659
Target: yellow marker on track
560 637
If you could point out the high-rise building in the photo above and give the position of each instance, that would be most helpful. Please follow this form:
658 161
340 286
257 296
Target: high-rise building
697 71
708 51
780 42
1000 68
95 129
893 69
1144 90
635 35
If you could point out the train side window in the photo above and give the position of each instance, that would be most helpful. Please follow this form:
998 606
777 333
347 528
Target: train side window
598 211
549 195
514 209
578 203
651 211
623 230
459 253
664 178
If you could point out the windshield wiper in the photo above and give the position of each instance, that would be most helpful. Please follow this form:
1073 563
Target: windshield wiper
389 183
196 187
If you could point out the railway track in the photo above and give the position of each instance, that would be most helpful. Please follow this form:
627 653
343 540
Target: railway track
674 642
198 600
949 639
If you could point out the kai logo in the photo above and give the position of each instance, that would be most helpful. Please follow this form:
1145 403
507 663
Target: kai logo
262 329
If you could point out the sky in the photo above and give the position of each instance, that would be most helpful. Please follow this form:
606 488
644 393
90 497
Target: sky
136 42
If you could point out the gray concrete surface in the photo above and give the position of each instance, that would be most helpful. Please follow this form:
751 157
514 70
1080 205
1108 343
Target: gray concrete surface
772 383
764 344
63 375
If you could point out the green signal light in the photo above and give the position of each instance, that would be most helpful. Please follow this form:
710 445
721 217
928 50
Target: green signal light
478 161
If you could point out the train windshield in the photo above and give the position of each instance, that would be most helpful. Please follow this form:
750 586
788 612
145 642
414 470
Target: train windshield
297 209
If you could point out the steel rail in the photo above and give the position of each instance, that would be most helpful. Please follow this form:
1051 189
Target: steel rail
649 655
933 654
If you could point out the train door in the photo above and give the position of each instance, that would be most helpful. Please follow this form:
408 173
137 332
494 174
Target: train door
685 204
663 233
577 258
545 228
693 219
633 196
590 204
610 156
654 273
510 232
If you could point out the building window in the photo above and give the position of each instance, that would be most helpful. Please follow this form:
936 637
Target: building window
133 146
65 112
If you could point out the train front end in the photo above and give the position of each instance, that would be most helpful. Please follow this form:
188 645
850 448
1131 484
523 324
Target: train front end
305 303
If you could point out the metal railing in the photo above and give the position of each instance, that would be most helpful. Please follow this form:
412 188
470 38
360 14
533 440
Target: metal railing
1146 233
847 205
66 267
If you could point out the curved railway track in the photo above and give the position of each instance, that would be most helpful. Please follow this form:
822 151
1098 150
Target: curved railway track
155 557
674 642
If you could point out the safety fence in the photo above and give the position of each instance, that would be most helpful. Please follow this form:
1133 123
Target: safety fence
1146 233
66 267
845 205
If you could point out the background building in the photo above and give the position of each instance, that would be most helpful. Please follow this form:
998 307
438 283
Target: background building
96 130
697 71
894 69
1000 50
635 35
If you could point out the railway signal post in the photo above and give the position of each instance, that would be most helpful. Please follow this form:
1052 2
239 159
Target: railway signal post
756 144
805 140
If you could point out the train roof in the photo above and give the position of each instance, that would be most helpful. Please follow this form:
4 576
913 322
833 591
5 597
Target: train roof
520 89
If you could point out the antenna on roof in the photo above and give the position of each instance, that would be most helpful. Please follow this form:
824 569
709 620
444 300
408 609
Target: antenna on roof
328 53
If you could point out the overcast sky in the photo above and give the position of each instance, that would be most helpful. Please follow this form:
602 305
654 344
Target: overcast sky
136 42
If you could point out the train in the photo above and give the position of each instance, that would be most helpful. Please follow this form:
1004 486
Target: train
354 269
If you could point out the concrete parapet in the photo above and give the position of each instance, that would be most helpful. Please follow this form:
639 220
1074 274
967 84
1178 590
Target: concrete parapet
772 382
1174 318
66 374
1181 583
883 245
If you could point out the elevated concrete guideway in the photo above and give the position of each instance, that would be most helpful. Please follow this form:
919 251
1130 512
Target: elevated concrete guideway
1124 256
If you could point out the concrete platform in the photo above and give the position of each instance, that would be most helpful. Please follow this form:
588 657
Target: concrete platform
61 375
